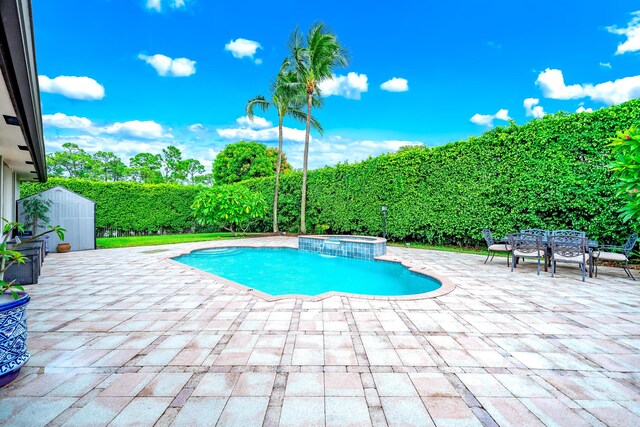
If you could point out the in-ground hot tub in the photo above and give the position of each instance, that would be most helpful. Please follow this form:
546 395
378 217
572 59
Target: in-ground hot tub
361 247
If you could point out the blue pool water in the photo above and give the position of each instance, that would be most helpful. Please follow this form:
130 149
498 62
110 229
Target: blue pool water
289 271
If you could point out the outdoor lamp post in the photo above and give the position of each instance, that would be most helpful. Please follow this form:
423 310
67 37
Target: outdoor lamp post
384 221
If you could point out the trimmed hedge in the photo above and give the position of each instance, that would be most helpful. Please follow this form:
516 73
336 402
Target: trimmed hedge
549 173
130 206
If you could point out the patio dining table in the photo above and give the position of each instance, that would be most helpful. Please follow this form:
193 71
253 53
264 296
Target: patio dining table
592 244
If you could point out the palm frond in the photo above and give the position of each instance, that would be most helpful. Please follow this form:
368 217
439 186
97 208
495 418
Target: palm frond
259 102
301 117
317 60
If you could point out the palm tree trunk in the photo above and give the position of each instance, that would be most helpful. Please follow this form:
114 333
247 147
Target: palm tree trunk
303 203
278 164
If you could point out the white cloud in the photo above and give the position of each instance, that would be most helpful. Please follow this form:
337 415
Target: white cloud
503 115
196 127
605 65
134 128
261 135
241 48
154 4
261 130
256 123
615 92
533 109
140 129
631 32
482 119
157 4
581 109
165 66
552 83
84 88
62 121
349 86
487 119
396 84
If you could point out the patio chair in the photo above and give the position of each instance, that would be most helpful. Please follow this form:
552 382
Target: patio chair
526 245
493 247
536 232
572 249
568 233
620 254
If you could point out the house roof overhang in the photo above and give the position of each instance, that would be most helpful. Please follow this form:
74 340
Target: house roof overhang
21 133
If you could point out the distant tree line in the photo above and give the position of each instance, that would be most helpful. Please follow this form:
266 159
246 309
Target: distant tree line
237 162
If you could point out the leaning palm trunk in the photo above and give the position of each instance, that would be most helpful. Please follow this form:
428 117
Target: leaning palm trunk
303 203
278 165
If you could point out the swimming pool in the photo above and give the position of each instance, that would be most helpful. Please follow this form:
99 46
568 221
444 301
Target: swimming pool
283 271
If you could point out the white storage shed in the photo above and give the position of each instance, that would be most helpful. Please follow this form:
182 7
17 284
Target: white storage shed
71 211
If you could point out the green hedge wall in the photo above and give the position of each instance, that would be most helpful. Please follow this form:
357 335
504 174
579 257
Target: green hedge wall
549 173
130 206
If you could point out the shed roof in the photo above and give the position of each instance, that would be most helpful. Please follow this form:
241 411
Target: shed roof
59 187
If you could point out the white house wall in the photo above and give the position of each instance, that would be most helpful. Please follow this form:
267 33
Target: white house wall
8 192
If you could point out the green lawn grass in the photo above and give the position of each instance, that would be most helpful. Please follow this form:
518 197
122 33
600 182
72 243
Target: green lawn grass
123 242
445 248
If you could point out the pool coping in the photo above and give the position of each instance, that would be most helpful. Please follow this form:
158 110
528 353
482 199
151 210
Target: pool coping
446 287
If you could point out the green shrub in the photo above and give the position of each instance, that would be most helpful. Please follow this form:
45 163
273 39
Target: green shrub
626 170
230 207
550 173
130 206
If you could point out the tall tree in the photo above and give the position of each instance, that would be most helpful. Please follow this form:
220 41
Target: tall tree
243 160
146 167
192 168
288 98
314 58
172 164
72 162
108 166
204 179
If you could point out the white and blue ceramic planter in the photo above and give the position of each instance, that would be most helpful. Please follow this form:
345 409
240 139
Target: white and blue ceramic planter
13 336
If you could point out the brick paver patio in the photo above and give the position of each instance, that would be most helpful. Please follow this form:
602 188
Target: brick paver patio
125 337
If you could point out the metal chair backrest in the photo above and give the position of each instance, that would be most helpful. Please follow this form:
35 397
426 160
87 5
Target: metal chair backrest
536 232
569 246
526 243
488 237
631 242
569 233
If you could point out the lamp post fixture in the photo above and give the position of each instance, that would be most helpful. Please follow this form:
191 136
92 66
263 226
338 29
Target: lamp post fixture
384 221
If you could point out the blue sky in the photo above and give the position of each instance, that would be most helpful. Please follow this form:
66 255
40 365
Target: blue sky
136 75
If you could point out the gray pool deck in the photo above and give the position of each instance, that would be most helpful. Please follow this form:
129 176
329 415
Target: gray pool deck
125 337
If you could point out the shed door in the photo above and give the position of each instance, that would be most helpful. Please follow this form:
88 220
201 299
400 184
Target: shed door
77 217
74 214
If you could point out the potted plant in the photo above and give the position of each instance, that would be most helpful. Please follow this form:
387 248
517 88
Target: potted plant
36 213
13 304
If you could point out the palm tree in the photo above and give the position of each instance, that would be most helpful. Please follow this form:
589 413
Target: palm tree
313 63
287 98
